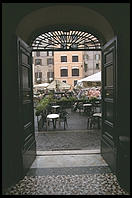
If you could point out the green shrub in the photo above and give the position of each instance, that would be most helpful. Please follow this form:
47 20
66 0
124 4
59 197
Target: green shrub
71 99
42 105
92 99
63 99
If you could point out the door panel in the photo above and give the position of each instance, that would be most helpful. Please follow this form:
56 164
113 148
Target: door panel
109 104
26 111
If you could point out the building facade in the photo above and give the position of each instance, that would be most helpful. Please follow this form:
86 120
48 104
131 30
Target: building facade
91 62
68 67
43 66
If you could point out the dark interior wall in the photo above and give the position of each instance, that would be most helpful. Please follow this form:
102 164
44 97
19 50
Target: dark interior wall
11 137
122 27
117 14
124 83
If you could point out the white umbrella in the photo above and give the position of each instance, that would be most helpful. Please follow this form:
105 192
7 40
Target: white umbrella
56 84
93 78
41 85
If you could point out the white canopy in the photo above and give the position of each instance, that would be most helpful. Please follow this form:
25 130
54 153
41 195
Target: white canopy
41 85
93 78
56 84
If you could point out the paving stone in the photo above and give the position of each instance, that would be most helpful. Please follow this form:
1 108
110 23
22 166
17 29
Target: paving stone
74 140
92 184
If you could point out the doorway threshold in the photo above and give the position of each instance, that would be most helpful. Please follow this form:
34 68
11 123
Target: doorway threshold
68 152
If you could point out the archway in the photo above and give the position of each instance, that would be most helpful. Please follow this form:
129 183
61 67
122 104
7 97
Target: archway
62 42
43 20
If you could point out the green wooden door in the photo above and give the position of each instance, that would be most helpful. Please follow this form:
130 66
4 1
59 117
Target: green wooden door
26 111
109 138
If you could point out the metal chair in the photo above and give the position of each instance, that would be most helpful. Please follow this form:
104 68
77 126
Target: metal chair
42 121
63 118
80 107
95 116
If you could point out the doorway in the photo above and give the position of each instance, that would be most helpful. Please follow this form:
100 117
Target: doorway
109 142
68 63
25 30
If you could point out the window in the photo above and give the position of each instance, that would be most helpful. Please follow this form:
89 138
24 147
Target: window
50 76
38 62
75 72
63 38
74 58
66 39
75 82
49 61
85 67
64 72
38 76
63 58
63 41
97 56
97 65
64 81
49 53
74 37
37 53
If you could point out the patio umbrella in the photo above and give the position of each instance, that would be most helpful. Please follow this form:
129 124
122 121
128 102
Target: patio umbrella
92 78
56 84
43 85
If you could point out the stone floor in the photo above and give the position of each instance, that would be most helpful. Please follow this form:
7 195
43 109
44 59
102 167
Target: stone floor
68 175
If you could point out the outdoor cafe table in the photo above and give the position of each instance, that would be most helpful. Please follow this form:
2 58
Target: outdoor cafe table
87 105
53 117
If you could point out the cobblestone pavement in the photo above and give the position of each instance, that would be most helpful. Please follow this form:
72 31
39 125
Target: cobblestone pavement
75 137
86 184
68 140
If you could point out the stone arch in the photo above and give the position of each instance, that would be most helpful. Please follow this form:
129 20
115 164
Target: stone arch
64 16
